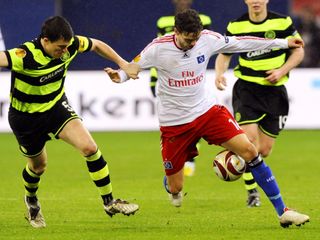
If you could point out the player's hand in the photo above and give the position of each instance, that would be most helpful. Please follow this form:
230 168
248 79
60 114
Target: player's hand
113 75
295 43
132 70
274 75
221 82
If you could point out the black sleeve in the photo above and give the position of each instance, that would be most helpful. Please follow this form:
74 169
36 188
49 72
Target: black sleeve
9 59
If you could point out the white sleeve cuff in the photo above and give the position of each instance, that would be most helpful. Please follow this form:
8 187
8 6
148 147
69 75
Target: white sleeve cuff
123 76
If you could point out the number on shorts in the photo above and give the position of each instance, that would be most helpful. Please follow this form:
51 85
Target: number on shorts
67 106
234 123
282 121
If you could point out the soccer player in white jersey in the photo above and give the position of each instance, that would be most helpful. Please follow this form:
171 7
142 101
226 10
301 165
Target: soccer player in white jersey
188 112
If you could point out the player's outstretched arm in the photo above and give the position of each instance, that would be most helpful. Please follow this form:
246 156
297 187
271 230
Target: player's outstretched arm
120 76
3 60
249 43
107 52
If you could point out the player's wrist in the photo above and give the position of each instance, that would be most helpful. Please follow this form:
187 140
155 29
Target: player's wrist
122 63
123 76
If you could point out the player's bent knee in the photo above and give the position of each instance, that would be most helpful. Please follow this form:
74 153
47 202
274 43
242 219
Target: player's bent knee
89 149
248 152
39 168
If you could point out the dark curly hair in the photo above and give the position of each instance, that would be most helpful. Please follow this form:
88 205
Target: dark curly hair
188 21
55 28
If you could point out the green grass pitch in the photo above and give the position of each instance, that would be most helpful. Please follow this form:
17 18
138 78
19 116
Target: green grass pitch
212 209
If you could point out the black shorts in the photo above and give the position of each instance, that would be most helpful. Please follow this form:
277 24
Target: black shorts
268 106
32 130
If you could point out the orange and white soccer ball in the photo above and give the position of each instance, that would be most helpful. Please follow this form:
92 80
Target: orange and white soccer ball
228 166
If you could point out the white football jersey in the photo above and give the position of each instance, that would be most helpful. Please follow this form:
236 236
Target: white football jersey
182 92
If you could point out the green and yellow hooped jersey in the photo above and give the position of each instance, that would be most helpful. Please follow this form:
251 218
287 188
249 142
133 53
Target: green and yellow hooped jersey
37 80
165 24
253 65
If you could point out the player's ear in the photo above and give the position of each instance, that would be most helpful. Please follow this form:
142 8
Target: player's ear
46 40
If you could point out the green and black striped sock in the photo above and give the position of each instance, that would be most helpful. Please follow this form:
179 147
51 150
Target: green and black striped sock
250 183
31 182
99 173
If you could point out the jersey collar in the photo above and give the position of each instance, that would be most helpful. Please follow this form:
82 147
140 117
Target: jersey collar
39 46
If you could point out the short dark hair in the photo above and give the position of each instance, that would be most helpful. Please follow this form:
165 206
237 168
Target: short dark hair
188 21
55 28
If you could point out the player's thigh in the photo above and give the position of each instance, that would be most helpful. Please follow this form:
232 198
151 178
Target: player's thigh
76 134
30 131
252 132
241 145
178 144
218 125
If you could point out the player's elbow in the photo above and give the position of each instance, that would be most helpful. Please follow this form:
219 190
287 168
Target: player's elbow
96 44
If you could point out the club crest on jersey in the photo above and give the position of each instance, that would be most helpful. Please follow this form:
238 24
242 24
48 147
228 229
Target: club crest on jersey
65 56
238 116
167 165
270 34
201 59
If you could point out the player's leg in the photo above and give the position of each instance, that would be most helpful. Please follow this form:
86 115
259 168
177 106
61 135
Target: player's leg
36 166
266 143
253 200
29 131
78 136
247 112
178 143
243 102
174 185
241 145
232 137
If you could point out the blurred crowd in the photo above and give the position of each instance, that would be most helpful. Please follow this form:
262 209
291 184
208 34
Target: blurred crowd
308 25
306 15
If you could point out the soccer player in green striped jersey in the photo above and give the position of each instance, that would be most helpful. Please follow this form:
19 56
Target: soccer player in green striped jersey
165 25
260 100
39 109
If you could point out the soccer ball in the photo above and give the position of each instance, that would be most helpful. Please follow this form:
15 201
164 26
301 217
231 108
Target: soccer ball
228 166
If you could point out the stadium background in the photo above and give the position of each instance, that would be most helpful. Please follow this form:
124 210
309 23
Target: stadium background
128 27
125 24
